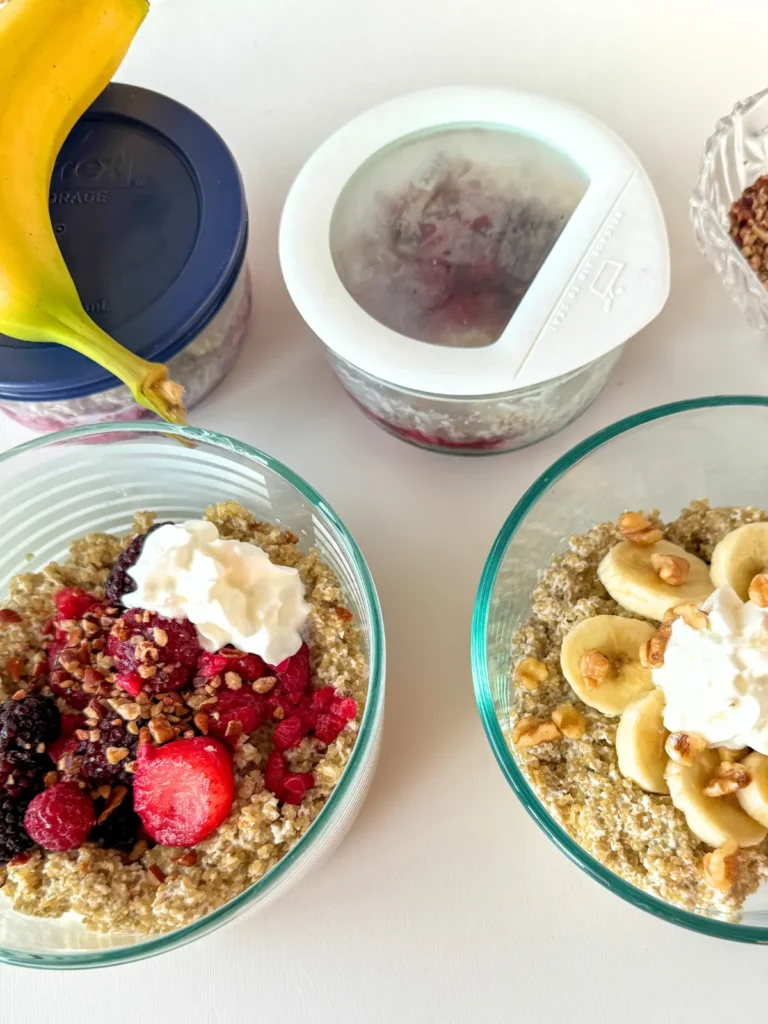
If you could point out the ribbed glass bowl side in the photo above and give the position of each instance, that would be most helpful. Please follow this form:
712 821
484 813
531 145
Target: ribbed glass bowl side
734 157
92 479
662 458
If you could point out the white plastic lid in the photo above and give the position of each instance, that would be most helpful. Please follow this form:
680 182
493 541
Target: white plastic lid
467 241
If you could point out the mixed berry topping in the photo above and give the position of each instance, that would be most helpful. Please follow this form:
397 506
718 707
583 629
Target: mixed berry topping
135 744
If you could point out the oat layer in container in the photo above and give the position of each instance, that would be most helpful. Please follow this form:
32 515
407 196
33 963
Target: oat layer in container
148 207
464 255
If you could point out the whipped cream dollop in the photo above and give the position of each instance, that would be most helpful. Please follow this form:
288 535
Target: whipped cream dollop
228 589
715 679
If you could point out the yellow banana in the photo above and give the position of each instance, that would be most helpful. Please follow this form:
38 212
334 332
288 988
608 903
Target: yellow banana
56 57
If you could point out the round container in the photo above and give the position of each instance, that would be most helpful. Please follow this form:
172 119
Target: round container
734 157
662 458
473 260
67 485
150 214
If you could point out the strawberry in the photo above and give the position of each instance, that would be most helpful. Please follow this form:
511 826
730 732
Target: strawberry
183 790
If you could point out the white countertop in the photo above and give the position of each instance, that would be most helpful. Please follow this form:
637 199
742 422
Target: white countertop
445 902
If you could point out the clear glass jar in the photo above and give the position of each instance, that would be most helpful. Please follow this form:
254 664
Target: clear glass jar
477 425
200 367
734 157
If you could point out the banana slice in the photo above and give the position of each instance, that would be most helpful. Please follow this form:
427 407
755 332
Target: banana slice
619 640
754 797
714 819
640 739
628 575
739 557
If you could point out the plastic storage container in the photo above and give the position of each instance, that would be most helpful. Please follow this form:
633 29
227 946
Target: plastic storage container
148 206
91 479
734 157
473 260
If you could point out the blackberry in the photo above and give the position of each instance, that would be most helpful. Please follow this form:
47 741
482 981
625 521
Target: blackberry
22 771
28 722
95 766
119 582
13 837
121 829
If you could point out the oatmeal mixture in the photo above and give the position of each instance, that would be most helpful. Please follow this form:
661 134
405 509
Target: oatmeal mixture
137 886
569 755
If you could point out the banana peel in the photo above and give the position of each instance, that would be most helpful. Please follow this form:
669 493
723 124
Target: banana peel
56 57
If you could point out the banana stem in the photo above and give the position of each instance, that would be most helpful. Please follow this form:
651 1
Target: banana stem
148 382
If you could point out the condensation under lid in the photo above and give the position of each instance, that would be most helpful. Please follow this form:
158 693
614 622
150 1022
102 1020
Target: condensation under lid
469 241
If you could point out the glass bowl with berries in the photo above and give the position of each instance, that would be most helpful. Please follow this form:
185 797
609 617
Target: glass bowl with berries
620 659
191 689
729 206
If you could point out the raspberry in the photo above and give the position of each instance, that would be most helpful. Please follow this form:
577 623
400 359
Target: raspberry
13 837
249 667
26 723
183 790
296 785
275 772
74 602
95 766
60 817
293 673
289 787
243 706
328 727
131 682
288 733
173 661
344 708
119 582
321 699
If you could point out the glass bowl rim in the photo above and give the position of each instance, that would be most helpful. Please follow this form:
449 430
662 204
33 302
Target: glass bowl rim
482 685
360 752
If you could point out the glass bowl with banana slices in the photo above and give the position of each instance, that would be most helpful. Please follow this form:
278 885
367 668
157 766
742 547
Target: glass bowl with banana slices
620 659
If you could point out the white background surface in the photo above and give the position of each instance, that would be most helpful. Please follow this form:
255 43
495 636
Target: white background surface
445 902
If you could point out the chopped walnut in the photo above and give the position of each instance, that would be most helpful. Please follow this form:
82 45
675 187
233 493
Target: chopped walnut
672 569
635 527
692 616
161 729
729 777
569 721
117 754
531 731
264 685
758 590
652 651
233 680
721 866
595 667
530 673
160 636
684 747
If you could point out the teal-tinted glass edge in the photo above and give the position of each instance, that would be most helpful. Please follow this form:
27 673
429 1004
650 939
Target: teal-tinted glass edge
75 960
531 803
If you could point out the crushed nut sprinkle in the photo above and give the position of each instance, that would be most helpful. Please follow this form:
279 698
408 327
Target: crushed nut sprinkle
749 226
758 590
530 673
595 668
684 747
531 731
671 569
729 777
721 866
571 723
635 527
692 616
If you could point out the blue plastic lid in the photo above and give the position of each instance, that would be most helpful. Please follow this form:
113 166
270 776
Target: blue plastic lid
150 214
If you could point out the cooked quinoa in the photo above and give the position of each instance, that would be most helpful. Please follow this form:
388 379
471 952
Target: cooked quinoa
104 887
638 835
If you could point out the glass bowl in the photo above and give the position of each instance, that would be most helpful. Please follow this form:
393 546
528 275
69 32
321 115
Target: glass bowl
87 479
734 157
662 458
